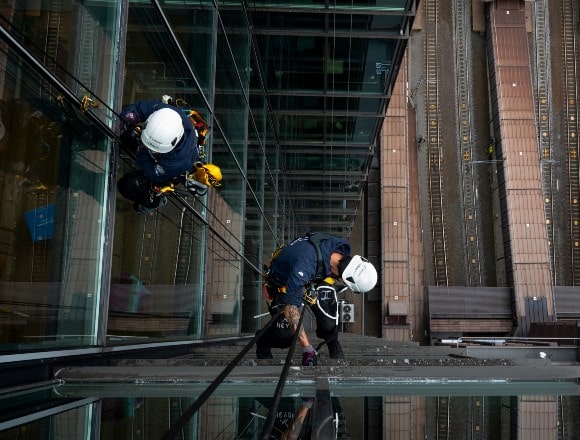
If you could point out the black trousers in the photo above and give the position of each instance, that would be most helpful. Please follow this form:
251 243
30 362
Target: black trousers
279 335
326 328
138 188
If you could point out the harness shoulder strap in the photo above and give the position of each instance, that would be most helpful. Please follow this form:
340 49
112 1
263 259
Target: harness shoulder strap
316 238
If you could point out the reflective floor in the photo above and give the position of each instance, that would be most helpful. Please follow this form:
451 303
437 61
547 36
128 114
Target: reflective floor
379 409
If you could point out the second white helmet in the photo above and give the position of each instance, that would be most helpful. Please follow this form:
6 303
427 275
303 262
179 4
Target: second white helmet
360 275
163 130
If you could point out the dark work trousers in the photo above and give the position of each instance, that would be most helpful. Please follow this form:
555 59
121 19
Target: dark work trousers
326 328
138 188
278 335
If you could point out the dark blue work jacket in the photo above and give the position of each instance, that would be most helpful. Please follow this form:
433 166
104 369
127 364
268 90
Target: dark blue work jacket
296 264
163 167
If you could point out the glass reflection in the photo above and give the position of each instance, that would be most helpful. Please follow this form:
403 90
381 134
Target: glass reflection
54 168
486 410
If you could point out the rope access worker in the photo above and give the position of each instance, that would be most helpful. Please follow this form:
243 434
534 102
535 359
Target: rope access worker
167 148
308 269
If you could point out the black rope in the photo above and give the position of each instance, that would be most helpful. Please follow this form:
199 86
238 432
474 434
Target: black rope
269 424
195 406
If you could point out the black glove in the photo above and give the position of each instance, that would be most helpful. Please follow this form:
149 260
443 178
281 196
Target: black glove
131 138
130 118
179 180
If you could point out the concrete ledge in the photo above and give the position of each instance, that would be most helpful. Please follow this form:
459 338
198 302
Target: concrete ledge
271 374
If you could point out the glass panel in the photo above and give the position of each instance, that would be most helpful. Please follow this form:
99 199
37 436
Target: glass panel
231 101
396 6
157 282
256 224
326 63
54 175
329 162
224 267
194 26
382 410
295 22
42 413
159 270
154 66
299 128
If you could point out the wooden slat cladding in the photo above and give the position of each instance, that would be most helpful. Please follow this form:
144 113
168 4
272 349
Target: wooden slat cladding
525 234
486 326
567 299
401 232
466 302
537 417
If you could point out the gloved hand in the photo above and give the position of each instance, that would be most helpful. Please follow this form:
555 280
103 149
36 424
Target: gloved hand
196 188
130 118
159 189
308 402
131 138
179 180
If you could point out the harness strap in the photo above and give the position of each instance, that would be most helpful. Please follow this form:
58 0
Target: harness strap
316 239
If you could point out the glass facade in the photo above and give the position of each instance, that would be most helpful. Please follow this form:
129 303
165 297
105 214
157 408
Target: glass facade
55 174
294 95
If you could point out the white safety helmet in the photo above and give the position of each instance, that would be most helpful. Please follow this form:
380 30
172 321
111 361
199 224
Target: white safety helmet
359 275
163 130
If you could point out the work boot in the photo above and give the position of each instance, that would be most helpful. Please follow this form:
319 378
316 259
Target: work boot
309 359
263 352
334 349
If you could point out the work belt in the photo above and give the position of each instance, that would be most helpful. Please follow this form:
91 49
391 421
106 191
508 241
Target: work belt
307 294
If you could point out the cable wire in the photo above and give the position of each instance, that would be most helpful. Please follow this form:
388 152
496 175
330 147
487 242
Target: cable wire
269 425
206 394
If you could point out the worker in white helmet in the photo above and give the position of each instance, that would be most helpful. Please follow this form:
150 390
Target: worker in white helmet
308 271
166 151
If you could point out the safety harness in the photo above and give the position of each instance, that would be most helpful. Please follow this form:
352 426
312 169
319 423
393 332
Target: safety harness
310 295
201 177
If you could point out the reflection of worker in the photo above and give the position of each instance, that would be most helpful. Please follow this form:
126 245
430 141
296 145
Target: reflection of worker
166 145
288 421
314 262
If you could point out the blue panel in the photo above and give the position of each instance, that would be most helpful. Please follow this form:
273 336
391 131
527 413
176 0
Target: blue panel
41 222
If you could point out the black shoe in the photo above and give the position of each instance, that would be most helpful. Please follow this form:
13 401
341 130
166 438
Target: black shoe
334 349
263 352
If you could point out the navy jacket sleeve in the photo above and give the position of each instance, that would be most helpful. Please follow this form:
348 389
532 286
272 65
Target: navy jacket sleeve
141 110
300 275
295 266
